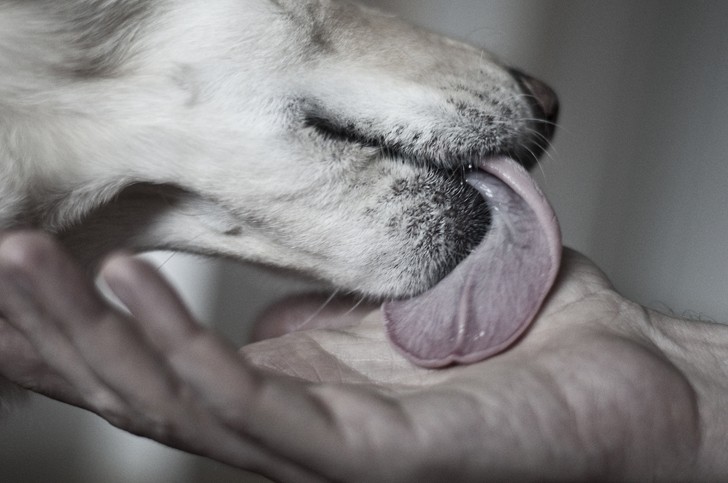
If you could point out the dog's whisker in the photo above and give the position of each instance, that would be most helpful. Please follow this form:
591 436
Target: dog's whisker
320 309
164 262
540 140
532 153
356 306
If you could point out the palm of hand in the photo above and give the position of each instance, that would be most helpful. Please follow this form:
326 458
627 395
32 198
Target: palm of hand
584 393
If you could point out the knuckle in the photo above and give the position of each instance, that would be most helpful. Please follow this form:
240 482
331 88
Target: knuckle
161 428
147 420
108 407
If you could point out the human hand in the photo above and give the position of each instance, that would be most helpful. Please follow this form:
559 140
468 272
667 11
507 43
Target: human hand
598 388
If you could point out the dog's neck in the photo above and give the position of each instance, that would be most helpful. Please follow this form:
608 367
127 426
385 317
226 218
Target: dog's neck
146 217
115 201
70 171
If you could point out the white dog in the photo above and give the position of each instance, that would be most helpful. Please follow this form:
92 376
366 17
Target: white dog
307 134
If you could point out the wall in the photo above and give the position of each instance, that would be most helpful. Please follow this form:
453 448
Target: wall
638 175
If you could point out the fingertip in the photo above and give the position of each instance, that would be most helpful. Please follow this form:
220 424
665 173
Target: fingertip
146 293
29 258
117 267
129 278
125 271
27 250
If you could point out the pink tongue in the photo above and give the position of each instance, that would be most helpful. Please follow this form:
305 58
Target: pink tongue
487 302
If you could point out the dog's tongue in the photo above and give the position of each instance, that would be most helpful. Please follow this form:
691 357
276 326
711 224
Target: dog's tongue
487 302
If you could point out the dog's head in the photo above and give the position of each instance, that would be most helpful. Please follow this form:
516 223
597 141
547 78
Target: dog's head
314 135
368 128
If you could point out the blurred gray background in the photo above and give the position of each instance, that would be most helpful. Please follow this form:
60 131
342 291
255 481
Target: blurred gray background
638 176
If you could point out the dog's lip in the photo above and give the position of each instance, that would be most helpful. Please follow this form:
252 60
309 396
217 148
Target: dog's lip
486 303
348 134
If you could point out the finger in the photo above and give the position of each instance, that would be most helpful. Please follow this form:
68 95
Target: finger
580 274
15 349
210 366
310 311
579 278
109 360
162 317
43 359
52 301
30 256
21 364
149 297
282 424
302 423
287 417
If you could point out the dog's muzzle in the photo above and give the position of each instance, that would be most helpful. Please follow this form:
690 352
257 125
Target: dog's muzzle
486 303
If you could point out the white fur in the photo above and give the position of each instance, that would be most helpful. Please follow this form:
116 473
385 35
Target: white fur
190 128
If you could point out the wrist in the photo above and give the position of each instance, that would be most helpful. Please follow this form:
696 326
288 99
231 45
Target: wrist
699 350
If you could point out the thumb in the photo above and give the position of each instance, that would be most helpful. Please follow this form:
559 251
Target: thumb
310 311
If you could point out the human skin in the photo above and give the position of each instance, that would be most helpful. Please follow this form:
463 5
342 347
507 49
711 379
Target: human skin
599 388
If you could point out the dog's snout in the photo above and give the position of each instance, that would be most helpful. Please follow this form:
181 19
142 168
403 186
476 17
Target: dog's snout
543 100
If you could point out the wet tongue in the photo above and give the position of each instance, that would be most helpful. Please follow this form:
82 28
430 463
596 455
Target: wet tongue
487 302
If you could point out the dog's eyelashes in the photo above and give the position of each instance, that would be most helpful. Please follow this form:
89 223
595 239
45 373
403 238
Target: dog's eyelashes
349 134
441 151
399 148
334 132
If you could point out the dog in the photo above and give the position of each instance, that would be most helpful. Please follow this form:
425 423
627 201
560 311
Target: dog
313 135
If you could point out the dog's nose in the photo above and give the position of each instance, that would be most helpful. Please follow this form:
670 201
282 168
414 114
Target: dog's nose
543 99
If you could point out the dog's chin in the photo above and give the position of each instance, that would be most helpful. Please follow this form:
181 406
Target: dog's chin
409 221
433 220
